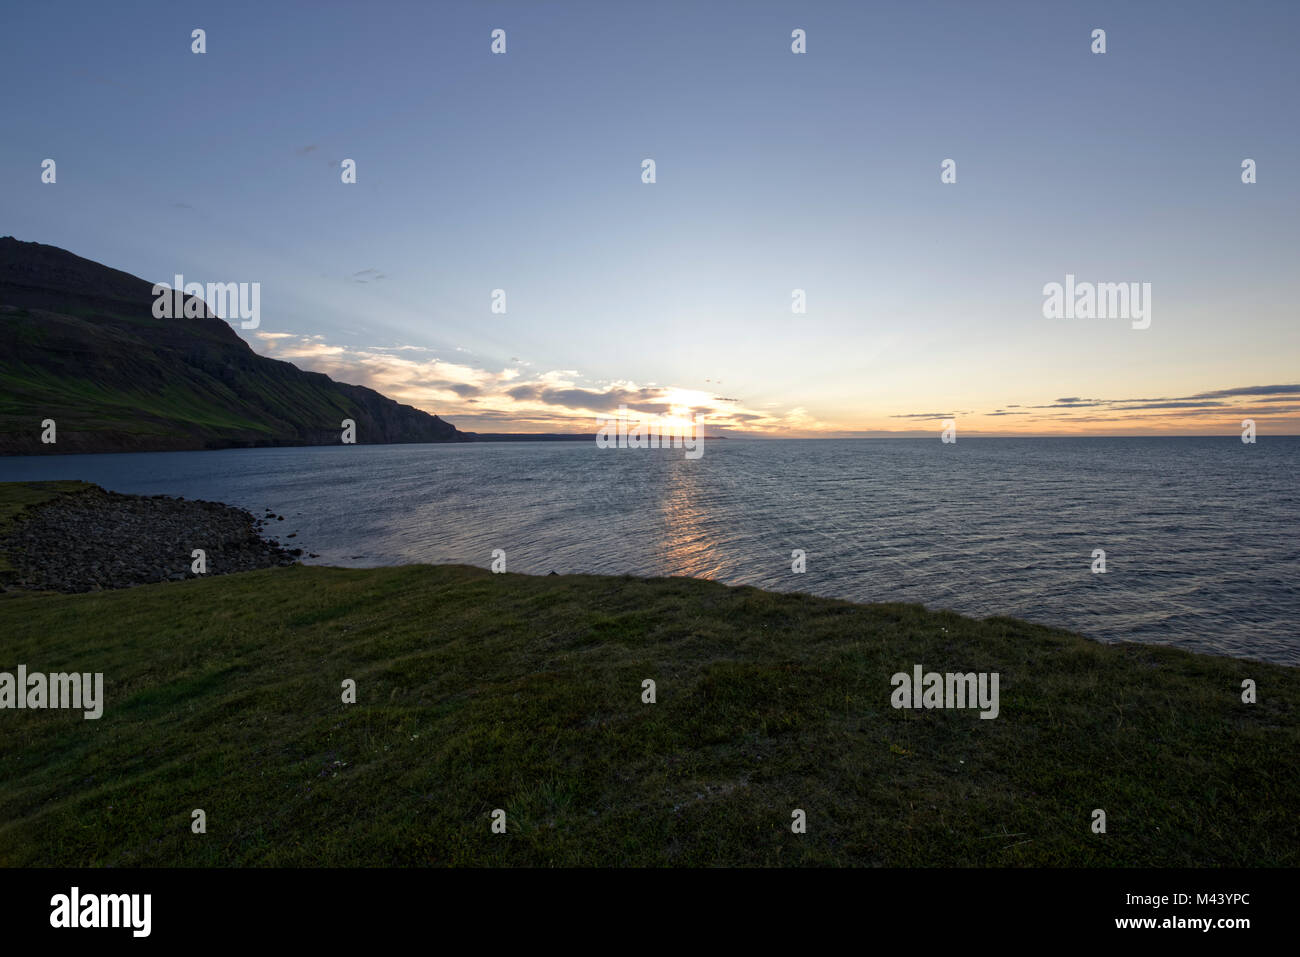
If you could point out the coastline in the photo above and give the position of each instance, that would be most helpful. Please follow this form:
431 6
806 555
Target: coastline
478 691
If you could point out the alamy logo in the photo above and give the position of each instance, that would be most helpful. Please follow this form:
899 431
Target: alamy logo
76 691
228 300
656 432
934 690
1103 300
103 910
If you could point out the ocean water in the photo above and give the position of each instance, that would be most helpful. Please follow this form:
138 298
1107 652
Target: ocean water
1201 535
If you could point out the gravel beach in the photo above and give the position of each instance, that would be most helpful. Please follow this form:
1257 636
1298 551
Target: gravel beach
96 539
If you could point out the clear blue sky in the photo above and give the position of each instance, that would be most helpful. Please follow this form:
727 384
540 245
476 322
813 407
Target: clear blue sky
775 171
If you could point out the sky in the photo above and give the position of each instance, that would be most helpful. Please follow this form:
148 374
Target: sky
774 171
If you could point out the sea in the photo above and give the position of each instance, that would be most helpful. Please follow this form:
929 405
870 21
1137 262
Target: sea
1201 536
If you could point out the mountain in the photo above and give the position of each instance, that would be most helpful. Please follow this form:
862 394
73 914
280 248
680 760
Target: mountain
79 344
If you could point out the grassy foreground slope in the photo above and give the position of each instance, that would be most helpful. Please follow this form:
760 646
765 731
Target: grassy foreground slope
479 691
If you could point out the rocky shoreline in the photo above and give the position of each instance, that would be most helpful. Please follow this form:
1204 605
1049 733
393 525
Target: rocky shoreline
95 539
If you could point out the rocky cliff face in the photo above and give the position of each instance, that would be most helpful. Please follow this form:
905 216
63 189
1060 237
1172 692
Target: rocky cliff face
79 344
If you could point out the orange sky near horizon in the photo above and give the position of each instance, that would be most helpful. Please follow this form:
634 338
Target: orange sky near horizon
519 399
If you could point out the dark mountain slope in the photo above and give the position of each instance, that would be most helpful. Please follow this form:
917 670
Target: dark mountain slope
79 344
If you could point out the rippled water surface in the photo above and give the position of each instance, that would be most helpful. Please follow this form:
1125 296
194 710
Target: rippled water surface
1201 534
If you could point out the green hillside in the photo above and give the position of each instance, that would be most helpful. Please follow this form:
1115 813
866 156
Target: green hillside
81 346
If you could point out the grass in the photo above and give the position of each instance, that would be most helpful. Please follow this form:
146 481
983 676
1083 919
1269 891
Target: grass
139 383
87 405
479 691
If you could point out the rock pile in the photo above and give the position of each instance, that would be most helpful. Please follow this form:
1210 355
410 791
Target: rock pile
97 539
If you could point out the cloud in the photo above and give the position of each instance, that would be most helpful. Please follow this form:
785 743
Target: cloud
478 395
1202 410
1200 400
1249 390
478 398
